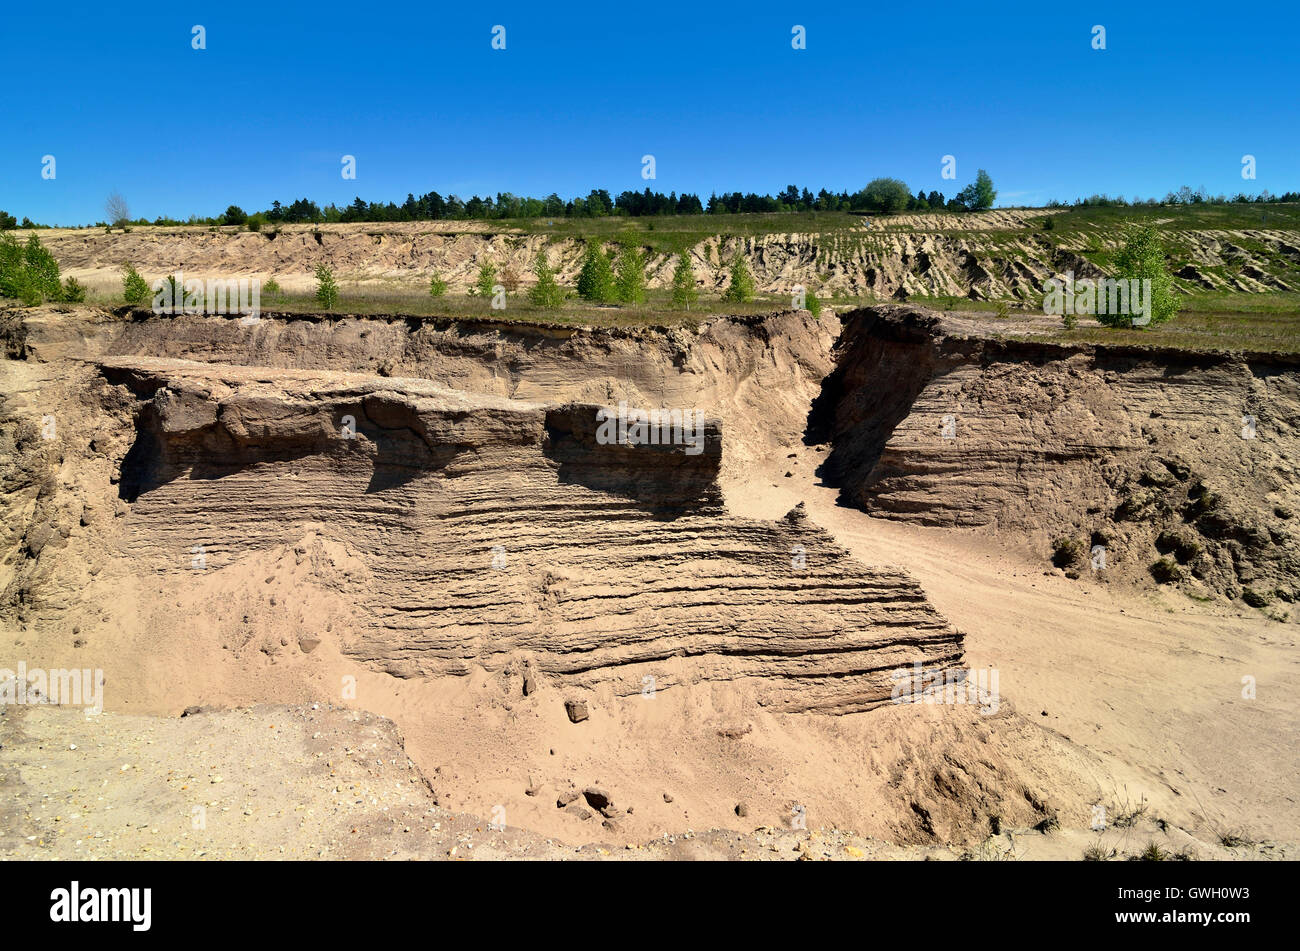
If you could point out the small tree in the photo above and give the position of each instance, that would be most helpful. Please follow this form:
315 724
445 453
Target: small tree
327 292
11 265
596 279
546 292
437 286
741 288
630 275
684 290
487 278
1143 258
234 216
134 289
119 214
73 292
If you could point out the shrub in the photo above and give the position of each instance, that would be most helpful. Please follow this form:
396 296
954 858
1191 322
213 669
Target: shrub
73 292
811 302
134 289
1165 570
271 287
596 279
28 271
1067 552
437 286
546 292
254 222
741 287
327 292
11 266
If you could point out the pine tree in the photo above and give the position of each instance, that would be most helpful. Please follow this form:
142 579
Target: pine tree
134 288
684 292
630 280
596 279
741 288
546 292
487 278
437 286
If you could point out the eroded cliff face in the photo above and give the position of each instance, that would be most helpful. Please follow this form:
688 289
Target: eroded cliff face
1182 466
463 531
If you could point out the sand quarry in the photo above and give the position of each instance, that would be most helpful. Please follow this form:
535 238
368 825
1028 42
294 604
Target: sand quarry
375 587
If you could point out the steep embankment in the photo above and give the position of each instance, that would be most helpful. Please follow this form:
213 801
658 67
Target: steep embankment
996 255
538 610
188 509
1182 466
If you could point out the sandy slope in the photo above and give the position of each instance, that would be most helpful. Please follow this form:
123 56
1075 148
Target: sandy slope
1150 683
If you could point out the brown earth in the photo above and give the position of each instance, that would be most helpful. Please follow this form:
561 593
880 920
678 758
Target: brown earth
199 528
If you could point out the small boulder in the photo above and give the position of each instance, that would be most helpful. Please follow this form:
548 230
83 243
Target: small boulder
577 710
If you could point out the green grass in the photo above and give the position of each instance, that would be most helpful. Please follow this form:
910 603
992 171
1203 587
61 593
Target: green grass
1179 217
673 233
658 310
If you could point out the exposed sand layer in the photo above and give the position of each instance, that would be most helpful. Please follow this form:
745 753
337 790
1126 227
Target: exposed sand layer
993 255
667 641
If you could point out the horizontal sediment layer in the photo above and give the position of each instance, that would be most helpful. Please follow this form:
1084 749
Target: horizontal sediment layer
484 532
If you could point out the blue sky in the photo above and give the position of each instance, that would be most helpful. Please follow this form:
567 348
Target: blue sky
580 93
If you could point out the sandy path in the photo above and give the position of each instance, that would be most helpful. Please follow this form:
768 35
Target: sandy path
1151 682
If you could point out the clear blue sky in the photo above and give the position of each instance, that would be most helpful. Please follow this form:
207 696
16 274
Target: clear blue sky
415 92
